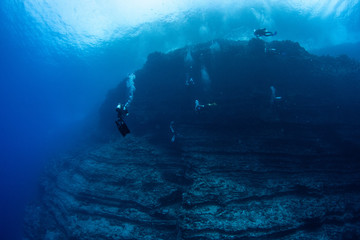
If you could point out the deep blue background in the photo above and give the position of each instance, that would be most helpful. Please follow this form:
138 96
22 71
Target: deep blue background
44 108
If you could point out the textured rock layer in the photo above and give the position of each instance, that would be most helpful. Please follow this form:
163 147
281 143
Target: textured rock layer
248 168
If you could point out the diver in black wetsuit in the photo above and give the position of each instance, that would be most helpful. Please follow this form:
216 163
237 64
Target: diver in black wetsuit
263 33
122 113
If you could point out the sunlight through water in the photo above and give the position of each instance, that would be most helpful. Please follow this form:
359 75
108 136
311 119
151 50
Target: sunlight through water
91 23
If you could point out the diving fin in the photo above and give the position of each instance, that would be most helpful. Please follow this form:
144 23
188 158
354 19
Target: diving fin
123 128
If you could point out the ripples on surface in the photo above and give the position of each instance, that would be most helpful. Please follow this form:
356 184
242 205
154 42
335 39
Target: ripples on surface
76 27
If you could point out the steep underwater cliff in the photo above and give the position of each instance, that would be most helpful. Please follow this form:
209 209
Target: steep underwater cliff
276 156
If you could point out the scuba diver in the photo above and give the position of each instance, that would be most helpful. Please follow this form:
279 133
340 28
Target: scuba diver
122 113
263 33
199 107
172 131
273 97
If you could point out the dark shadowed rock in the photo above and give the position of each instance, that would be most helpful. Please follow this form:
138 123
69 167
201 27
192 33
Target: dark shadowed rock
257 165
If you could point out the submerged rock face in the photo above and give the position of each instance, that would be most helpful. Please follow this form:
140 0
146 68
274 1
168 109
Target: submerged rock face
238 77
277 156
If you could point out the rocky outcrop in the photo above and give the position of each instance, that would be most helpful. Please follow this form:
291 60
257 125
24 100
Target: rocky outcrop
251 166
315 90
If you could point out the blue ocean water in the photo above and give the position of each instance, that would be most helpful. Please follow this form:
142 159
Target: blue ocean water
59 59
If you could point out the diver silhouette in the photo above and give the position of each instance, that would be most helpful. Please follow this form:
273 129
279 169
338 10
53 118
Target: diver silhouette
200 107
120 123
172 131
263 33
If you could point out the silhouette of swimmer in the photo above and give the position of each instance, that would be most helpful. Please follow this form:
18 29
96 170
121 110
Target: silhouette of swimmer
199 107
121 125
172 131
273 97
263 33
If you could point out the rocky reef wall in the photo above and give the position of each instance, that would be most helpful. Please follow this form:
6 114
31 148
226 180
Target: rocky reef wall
275 154
316 90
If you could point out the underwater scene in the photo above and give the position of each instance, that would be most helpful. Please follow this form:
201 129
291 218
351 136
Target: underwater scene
180 120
